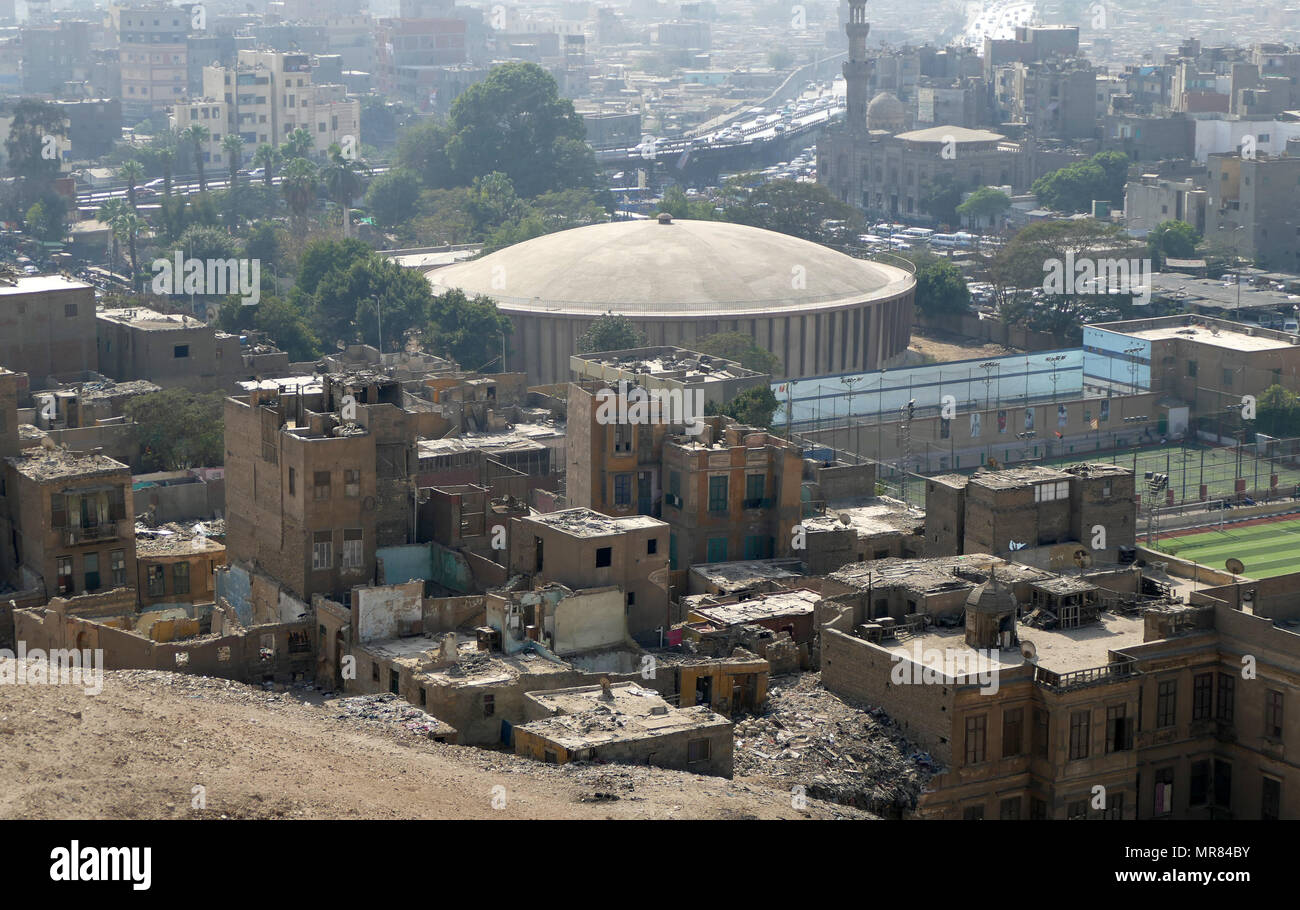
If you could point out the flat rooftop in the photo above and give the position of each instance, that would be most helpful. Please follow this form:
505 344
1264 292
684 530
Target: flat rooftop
741 574
582 522
298 385
1059 650
689 367
879 517
37 284
774 605
472 667
144 318
932 574
1011 478
585 717
1219 338
44 465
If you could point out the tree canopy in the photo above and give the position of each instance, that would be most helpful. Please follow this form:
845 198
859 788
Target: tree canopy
610 332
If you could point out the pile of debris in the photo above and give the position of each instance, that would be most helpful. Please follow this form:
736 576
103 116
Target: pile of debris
810 737
388 710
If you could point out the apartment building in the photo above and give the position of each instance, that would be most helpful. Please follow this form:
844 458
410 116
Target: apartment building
269 94
1254 208
47 327
205 112
154 55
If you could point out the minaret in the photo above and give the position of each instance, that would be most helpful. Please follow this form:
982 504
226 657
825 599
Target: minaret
857 69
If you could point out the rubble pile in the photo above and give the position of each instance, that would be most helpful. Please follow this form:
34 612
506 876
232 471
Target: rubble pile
386 709
810 737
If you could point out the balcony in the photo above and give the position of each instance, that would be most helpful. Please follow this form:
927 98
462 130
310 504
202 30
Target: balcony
1092 676
79 535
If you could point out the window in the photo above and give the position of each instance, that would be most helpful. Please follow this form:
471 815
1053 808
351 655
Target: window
1270 800
1273 714
181 577
717 550
374 672
1191 368
1198 786
156 581
90 565
1227 377
652 546
622 437
755 487
1042 733
697 750
322 550
1119 729
631 599
1223 708
1037 809
1164 796
293 477
69 310
1166 703
622 489
717 494
1050 492
973 814
352 555
1222 792
1202 695
674 497
1077 810
604 557
351 482
117 567
975 736
1009 810
321 485
672 551
394 679
58 510
489 704
180 351
1079 730
1013 722
1114 807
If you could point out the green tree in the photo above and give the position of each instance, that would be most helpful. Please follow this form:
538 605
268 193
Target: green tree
110 212
470 331
298 185
205 242
297 144
373 294
806 210
196 135
326 254
984 206
232 144
676 203
610 332
742 349
422 150
1278 413
940 197
267 157
515 122
1074 187
1172 238
46 220
131 172
288 325
753 407
178 429
342 178
166 161
392 196
940 289
27 145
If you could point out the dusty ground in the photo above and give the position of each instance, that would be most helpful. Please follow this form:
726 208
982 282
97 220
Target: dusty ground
138 749
944 348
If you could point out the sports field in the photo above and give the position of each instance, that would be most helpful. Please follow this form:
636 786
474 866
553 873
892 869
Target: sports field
1265 547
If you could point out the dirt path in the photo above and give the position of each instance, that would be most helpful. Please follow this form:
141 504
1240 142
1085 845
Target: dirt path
138 749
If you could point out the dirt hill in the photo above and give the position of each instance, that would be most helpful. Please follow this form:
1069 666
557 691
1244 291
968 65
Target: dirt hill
140 747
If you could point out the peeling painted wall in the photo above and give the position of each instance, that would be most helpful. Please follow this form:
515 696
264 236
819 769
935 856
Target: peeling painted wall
403 563
387 611
235 587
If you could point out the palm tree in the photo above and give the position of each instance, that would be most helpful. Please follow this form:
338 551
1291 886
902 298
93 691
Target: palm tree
132 172
130 225
266 157
110 211
166 159
233 146
343 180
298 184
297 144
196 135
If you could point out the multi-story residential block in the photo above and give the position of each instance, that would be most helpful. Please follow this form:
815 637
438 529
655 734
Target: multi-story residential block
152 45
1254 207
47 327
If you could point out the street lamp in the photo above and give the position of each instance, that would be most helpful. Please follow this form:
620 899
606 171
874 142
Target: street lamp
1054 360
851 381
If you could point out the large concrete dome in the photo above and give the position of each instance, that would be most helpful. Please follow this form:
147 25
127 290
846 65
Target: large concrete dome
819 310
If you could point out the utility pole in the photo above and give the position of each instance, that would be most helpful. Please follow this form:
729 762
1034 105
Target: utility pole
851 381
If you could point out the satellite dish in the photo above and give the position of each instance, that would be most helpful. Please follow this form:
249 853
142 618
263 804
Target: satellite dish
1234 566
845 519
1028 651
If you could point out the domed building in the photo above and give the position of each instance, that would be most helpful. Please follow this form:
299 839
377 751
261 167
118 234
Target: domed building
887 113
818 310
